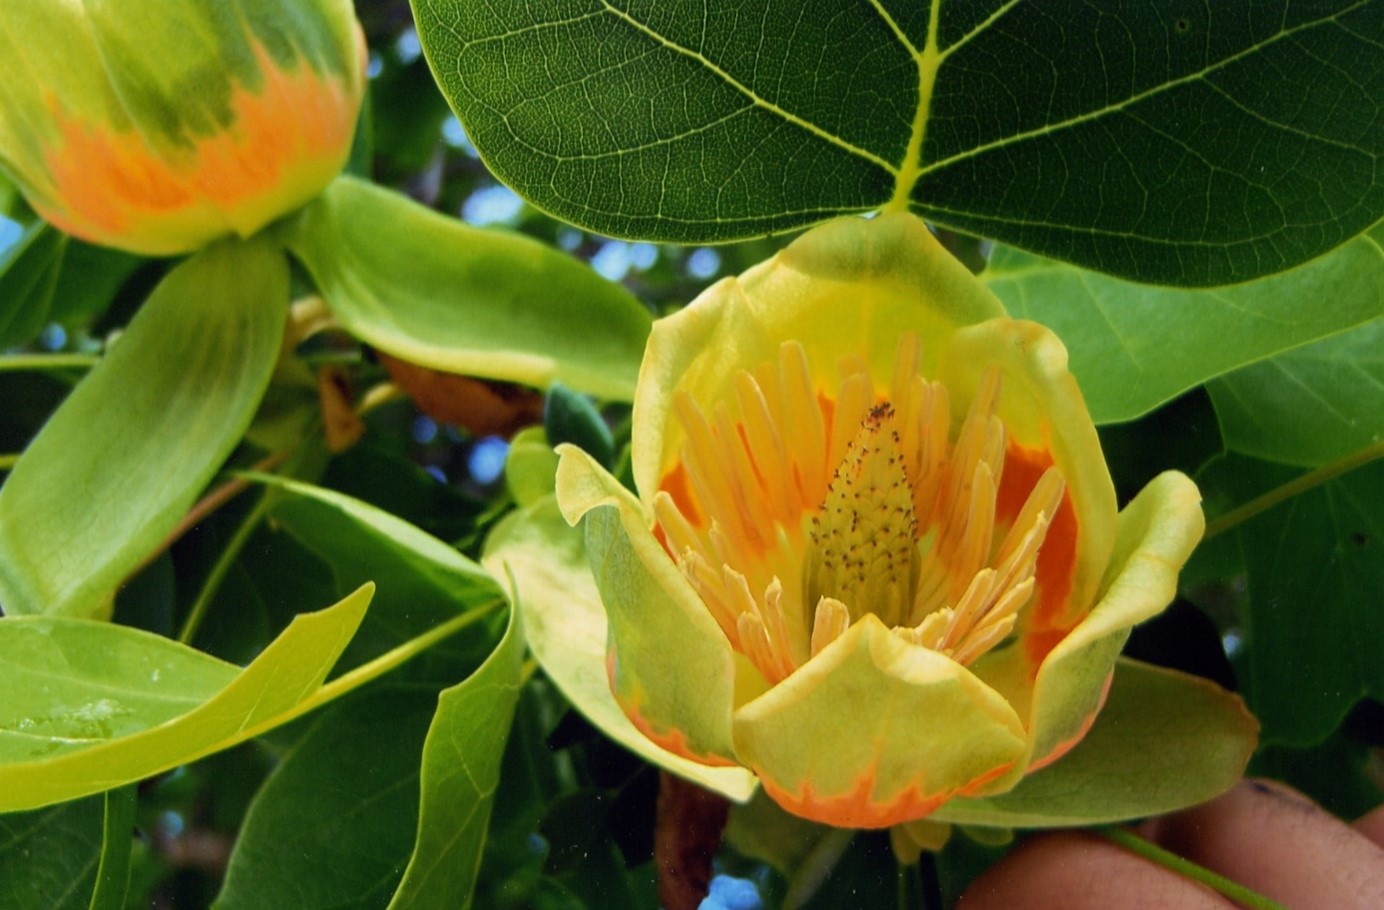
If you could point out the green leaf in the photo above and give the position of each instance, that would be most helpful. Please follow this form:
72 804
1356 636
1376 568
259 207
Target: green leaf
90 705
1314 567
1151 140
333 825
346 797
421 582
1338 773
1312 405
90 278
442 294
1163 741
73 856
565 624
1133 347
28 272
571 417
122 460
530 466
117 836
461 771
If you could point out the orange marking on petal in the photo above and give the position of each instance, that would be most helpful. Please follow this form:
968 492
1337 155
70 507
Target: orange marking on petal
1056 564
1067 745
677 485
1038 643
857 809
671 739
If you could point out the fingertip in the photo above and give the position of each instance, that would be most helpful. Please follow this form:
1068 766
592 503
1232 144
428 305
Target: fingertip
1077 871
1273 839
1371 825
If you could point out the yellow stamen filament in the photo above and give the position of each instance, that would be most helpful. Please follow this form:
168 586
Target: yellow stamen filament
803 524
830 621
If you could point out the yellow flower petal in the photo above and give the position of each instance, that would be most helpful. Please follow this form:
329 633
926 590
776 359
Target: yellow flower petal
669 665
565 626
849 287
875 731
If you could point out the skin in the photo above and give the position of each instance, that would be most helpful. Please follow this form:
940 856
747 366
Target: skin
1261 834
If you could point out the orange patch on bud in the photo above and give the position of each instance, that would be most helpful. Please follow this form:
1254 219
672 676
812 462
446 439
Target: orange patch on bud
285 144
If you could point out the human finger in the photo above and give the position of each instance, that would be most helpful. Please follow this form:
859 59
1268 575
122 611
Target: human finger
1276 841
1077 871
1372 825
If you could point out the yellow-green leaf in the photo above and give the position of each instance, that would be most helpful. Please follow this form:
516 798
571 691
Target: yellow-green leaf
131 448
1163 741
442 294
91 705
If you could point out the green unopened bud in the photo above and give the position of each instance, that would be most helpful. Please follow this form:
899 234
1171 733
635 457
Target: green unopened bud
157 126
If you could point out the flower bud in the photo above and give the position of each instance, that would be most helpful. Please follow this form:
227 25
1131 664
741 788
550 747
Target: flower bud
158 126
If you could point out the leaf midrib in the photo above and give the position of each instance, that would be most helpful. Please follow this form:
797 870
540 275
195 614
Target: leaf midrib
929 60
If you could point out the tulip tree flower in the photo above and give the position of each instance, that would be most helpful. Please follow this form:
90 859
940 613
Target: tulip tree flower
160 125
875 556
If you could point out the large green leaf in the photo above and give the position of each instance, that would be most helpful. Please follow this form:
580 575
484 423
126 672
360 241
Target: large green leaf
421 581
1163 741
91 705
333 825
117 466
73 856
440 293
1311 622
1166 142
346 797
460 773
1311 405
1133 347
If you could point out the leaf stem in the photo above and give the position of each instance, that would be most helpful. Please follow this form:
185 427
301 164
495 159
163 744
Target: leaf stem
17 362
224 560
815 869
209 504
1294 487
1188 869
928 61
381 665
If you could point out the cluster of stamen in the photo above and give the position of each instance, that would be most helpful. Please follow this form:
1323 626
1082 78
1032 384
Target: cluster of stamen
811 510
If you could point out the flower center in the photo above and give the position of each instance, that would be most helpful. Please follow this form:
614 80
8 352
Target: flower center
793 513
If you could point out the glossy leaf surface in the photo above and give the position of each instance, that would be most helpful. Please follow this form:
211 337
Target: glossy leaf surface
1314 567
343 800
92 705
118 465
1163 741
1154 141
1133 347
421 582
439 293
1311 405
460 773
73 856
